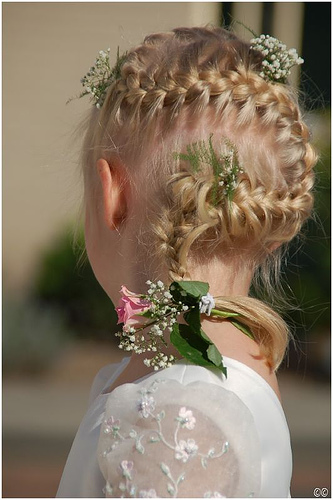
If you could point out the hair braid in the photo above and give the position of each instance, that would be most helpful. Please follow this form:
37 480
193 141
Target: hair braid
207 75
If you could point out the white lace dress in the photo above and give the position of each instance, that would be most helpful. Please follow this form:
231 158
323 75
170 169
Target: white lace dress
185 431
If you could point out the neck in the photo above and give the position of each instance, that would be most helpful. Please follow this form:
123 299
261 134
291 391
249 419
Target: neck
225 279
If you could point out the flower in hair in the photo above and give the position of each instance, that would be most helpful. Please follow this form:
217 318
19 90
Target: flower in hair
225 166
146 318
130 307
100 76
206 304
278 60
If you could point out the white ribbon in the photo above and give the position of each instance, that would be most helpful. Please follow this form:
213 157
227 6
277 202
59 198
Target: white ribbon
206 304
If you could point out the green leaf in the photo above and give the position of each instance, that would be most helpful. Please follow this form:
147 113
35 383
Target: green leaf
189 345
188 292
204 336
192 317
214 355
243 328
194 288
193 347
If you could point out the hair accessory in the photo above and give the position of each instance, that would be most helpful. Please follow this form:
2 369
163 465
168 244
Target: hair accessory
225 166
145 318
101 76
278 59
206 304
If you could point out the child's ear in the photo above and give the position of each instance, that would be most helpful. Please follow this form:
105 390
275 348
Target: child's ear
113 184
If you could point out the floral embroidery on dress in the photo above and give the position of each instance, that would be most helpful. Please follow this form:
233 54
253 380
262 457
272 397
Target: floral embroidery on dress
112 425
147 494
215 494
186 419
146 405
184 449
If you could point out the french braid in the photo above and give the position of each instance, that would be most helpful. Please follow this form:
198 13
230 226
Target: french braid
179 78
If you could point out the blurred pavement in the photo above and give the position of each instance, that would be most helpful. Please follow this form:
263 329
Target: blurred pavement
40 419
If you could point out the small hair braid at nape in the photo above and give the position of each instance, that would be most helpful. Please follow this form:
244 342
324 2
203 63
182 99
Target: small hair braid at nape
180 224
169 242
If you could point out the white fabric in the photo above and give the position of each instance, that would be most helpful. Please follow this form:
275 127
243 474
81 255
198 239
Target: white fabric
136 441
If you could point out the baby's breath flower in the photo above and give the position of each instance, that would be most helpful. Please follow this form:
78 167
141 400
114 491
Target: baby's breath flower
278 59
156 330
160 316
100 76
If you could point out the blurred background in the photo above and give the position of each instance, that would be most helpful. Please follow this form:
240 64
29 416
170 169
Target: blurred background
57 321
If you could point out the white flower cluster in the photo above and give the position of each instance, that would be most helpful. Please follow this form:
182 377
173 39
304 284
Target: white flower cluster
229 175
160 360
278 59
163 315
96 81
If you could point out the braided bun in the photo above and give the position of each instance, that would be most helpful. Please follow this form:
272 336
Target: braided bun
186 84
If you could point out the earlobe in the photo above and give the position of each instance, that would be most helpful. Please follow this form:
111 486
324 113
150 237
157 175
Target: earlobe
114 200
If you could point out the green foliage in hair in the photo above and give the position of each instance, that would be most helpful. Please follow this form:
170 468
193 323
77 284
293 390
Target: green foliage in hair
100 76
225 166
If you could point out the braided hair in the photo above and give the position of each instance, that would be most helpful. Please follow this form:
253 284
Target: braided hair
188 83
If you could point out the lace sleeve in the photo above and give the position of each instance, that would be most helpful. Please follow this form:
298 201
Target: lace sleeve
165 439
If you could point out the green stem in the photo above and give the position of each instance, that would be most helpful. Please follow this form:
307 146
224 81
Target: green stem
246 27
223 314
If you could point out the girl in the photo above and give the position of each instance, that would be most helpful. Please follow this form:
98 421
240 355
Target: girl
197 170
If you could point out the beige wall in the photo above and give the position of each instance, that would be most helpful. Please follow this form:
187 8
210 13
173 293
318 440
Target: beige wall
47 48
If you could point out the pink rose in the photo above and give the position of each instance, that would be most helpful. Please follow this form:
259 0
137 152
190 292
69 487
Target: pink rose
131 305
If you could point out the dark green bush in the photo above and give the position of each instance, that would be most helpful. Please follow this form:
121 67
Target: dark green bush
65 279
33 335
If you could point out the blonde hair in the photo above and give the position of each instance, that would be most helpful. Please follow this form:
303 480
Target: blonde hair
177 86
